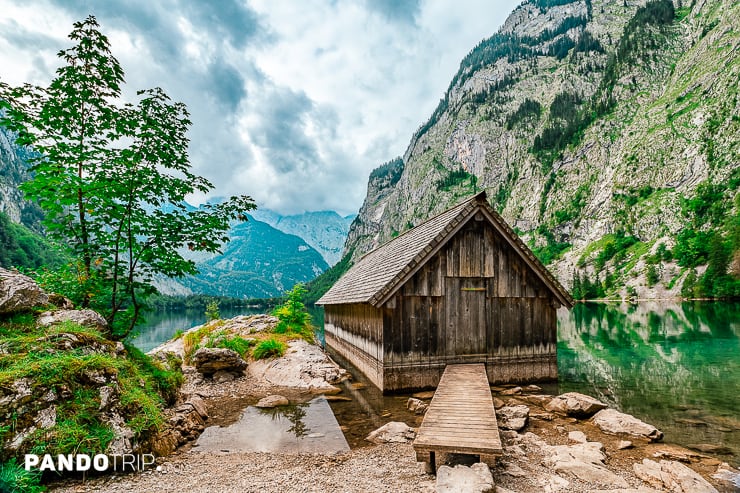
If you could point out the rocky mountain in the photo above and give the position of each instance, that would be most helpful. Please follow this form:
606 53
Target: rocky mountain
14 171
325 231
259 262
606 133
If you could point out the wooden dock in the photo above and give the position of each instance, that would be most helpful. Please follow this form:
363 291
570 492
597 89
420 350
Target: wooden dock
461 418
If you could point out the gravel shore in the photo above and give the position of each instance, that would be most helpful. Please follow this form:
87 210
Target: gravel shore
383 468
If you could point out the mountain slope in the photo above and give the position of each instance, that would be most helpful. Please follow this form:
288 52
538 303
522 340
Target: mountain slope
325 231
14 171
601 131
259 262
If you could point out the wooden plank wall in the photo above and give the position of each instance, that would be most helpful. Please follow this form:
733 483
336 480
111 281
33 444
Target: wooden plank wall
355 331
475 301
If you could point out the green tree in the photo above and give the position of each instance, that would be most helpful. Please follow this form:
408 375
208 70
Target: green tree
112 177
293 316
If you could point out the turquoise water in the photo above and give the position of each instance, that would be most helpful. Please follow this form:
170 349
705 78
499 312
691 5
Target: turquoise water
676 366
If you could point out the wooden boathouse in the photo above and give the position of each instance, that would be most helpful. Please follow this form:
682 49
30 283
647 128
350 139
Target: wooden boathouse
458 288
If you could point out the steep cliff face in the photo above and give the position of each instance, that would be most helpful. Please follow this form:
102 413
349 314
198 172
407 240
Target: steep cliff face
14 171
587 122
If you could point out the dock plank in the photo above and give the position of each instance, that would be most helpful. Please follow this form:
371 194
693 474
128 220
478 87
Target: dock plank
461 417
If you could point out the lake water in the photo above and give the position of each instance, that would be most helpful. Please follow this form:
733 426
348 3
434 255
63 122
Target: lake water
676 366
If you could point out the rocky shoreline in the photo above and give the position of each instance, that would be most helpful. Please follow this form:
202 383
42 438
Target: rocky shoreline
563 443
569 443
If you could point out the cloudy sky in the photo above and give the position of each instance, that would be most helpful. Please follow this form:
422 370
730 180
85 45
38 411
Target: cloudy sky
293 102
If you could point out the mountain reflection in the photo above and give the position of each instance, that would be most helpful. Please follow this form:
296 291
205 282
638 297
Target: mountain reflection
662 362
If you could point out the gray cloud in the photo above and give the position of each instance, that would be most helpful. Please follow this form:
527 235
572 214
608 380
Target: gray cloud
404 11
282 130
225 83
292 103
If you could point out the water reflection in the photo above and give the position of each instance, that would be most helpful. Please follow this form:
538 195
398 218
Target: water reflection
303 428
674 365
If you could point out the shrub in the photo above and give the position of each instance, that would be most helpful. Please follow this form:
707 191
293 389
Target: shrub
212 311
269 348
293 316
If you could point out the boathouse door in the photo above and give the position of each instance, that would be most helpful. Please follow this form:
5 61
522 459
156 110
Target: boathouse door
465 299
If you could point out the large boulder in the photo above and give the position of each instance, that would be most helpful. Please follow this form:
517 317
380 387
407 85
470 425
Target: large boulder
209 360
673 476
474 479
584 461
575 404
304 367
616 423
86 318
19 293
513 417
393 432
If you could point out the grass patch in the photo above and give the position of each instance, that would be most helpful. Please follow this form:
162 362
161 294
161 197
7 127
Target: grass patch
269 348
15 479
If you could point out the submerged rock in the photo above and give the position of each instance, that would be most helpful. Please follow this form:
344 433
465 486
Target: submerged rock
575 404
474 479
273 401
393 432
19 292
616 423
672 476
416 406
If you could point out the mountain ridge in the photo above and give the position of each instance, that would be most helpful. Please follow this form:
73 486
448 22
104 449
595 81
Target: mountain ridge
587 122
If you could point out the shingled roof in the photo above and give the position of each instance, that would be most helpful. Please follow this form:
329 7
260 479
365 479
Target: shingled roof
377 275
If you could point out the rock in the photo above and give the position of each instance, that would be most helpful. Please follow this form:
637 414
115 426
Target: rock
542 416
19 292
474 479
672 476
727 474
533 388
584 461
575 404
711 448
199 405
537 399
577 436
273 401
691 422
513 417
416 406
222 376
304 368
211 360
614 422
122 436
393 432
675 452
60 301
427 394
513 391
108 396
624 444
86 318
514 471
498 403
47 418
357 385
337 398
